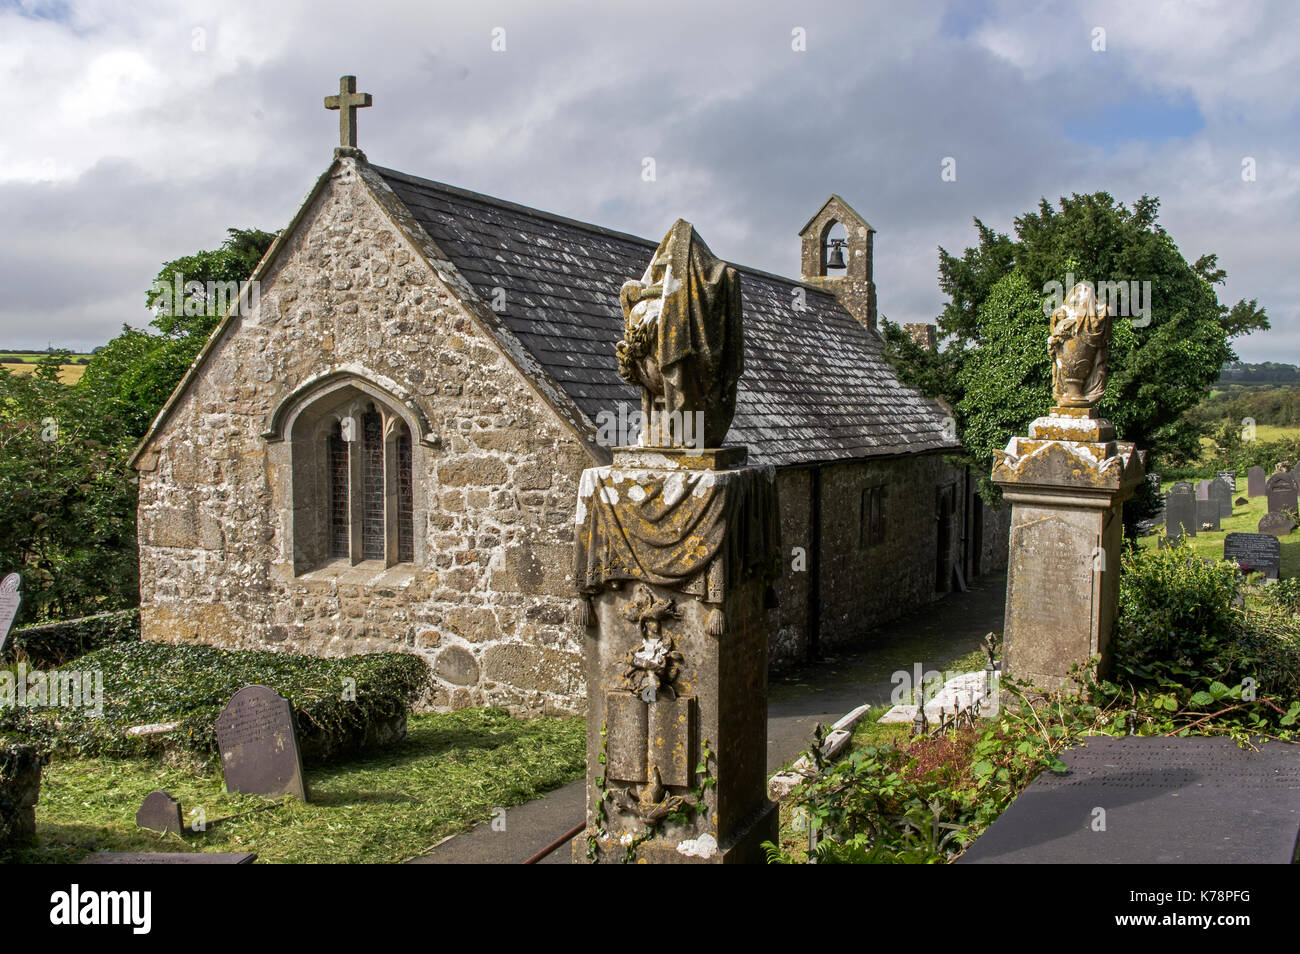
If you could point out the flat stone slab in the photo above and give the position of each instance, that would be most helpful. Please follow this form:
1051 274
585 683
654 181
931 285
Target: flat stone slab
1161 801
957 693
168 858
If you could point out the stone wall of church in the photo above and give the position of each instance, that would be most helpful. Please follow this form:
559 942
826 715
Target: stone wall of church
866 581
490 605
488 601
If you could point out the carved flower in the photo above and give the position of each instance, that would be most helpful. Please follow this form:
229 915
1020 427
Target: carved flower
653 654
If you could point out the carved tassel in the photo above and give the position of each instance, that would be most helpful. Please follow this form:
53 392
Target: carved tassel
586 613
716 624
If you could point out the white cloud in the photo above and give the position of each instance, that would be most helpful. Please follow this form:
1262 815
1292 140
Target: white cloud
129 146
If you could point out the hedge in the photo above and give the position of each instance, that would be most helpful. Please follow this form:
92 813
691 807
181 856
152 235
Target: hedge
148 684
54 644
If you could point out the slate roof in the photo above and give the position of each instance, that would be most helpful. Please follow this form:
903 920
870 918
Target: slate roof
816 385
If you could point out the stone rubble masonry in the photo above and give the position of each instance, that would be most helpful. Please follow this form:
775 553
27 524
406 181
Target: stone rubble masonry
489 600
491 609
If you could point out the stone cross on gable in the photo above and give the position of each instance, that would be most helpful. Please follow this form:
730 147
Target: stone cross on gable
347 102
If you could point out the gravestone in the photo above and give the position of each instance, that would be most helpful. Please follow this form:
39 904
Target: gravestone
10 599
676 546
1278 524
1202 490
160 812
1255 481
1180 511
168 858
1221 494
1137 800
1207 514
1254 552
1281 492
259 744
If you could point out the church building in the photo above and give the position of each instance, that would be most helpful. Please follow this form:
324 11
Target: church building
382 450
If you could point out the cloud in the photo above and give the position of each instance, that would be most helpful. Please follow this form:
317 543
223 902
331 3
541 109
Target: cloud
145 130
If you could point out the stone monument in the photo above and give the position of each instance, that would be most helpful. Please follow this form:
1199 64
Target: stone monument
259 745
1255 479
1281 489
11 598
1278 523
160 812
1221 494
1067 482
1180 511
677 544
1254 553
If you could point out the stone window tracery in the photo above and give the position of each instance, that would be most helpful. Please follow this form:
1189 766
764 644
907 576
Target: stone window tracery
354 496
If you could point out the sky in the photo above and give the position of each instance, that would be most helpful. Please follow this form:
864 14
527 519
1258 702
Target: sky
134 133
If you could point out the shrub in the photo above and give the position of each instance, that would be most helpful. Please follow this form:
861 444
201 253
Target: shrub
155 683
1174 608
54 644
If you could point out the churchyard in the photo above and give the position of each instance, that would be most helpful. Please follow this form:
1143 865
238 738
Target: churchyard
392 582
1208 544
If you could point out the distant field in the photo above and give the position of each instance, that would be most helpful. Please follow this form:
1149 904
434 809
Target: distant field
10 357
1273 432
68 373
1263 432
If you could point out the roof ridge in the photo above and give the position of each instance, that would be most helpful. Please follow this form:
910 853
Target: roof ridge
491 200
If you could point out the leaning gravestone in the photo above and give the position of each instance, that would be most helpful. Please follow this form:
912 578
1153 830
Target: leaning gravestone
1281 492
259 744
1254 552
1278 524
1255 481
1221 493
1180 511
1141 800
1207 514
10 598
160 812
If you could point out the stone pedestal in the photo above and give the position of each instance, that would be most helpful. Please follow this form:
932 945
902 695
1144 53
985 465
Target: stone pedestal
675 553
1066 482
20 790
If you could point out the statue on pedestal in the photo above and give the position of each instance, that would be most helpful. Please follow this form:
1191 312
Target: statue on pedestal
1080 348
682 342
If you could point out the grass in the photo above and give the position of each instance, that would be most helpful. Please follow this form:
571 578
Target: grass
1244 519
451 772
1263 432
68 373
1275 432
868 731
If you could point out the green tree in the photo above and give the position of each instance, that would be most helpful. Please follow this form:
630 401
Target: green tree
993 368
138 370
67 499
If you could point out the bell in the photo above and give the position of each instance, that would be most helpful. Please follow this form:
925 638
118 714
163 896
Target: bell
836 258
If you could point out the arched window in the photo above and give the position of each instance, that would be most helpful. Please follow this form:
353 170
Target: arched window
353 490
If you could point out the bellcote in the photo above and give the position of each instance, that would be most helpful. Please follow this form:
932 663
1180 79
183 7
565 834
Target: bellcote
821 252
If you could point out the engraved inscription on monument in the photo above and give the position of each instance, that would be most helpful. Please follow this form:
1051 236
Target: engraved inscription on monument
1254 552
1052 593
1193 800
10 598
259 744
